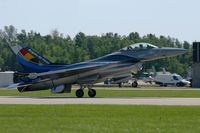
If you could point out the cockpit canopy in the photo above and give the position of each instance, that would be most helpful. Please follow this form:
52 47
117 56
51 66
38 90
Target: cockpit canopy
139 46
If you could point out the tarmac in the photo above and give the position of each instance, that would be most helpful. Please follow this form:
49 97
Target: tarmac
100 101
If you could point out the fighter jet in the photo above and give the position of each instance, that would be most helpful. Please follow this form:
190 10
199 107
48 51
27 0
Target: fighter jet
41 74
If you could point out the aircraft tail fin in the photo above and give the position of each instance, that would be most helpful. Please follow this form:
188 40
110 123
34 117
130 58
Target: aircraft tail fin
32 56
28 58
29 54
164 70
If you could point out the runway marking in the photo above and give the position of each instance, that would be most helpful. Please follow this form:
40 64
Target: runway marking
114 101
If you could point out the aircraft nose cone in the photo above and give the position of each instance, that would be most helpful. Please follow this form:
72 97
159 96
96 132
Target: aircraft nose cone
179 51
172 51
183 51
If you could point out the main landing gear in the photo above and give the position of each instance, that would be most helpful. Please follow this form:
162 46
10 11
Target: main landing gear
134 84
80 92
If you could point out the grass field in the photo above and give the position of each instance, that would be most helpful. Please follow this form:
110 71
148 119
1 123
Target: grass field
102 118
99 119
115 92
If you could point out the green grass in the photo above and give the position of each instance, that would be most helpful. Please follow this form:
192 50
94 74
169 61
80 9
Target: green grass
114 92
99 119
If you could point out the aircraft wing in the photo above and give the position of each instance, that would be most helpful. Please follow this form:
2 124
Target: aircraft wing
62 72
66 72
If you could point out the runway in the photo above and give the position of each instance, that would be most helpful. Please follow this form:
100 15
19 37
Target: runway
108 101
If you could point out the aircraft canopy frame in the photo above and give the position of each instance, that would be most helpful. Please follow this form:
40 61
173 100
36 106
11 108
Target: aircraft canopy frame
139 46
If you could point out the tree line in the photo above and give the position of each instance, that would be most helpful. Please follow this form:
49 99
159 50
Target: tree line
63 49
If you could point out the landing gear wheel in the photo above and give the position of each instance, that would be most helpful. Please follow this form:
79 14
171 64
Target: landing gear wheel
21 89
134 84
120 85
92 93
79 93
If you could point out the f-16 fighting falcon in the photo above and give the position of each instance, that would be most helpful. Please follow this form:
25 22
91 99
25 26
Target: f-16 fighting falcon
41 74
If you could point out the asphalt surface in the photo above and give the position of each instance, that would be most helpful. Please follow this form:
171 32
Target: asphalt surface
114 101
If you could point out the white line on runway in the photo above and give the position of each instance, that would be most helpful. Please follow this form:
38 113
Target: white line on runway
114 101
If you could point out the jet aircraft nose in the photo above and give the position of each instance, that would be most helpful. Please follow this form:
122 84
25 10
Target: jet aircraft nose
169 52
148 52
160 53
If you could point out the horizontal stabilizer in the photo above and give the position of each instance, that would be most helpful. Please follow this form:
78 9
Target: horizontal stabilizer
13 86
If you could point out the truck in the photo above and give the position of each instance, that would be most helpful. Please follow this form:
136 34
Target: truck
165 79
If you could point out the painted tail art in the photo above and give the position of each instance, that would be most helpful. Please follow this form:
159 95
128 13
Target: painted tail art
30 60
